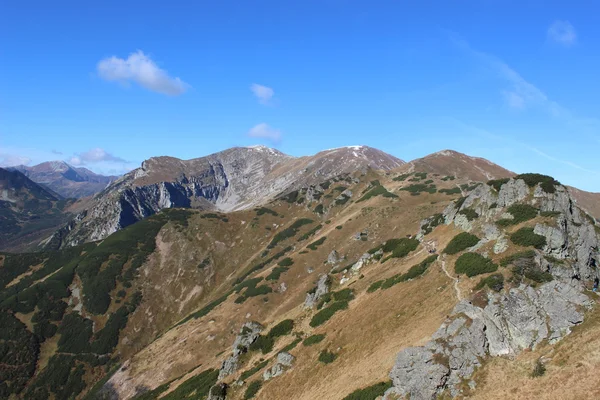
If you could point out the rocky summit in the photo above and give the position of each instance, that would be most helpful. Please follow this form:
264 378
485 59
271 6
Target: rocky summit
347 275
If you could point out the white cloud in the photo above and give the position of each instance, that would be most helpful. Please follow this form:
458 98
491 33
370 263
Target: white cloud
264 94
264 131
562 32
514 100
11 160
94 156
140 68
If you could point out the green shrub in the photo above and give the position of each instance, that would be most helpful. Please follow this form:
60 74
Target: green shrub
400 247
473 264
469 213
527 254
461 242
497 183
276 273
319 209
494 282
466 187
247 374
418 188
286 262
289 232
344 295
310 233
376 191
454 190
538 369
520 213
459 202
448 178
401 178
327 357
313 246
292 345
526 237
432 222
338 227
547 183
264 210
197 386
281 329
252 389
314 339
374 286
371 392
414 272
325 314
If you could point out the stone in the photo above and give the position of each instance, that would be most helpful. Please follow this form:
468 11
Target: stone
322 288
333 257
248 334
284 362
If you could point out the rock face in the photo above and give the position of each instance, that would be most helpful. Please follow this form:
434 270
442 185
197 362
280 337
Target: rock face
333 257
233 179
284 361
509 323
322 288
248 334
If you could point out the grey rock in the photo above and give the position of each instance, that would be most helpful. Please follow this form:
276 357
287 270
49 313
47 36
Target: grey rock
322 288
514 191
284 362
248 334
333 257
509 323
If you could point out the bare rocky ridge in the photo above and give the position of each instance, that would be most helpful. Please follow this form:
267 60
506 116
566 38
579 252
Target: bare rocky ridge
233 179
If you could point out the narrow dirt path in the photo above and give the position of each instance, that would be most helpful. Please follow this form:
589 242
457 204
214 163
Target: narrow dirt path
456 288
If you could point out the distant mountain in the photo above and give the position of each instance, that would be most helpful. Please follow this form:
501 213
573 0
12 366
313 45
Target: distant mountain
28 211
234 179
453 163
66 180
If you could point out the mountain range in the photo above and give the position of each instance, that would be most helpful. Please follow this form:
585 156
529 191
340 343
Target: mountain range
348 275
64 179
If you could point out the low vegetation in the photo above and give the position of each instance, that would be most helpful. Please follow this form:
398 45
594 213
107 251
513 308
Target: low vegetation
314 339
247 374
371 392
399 247
494 282
414 272
547 183
314 245
461 242
432 222
377 190
289 232
469 213
520 213
327 357
252 389
473 264
497 183
265 343
417 188
196 387
526 237
454 190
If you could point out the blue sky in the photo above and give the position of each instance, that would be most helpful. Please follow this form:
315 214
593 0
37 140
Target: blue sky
109 84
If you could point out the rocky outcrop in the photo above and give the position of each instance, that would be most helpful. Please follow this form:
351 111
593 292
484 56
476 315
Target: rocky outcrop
284 362
248 334
321 289
508 324
333 257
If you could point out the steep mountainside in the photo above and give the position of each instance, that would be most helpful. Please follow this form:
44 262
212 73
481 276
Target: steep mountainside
66 180
360 285
234 179
28 211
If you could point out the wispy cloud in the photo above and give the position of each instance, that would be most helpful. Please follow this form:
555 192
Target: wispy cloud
264 131
140 68
563 33
264 94
94 156
11 160
564 162
53 151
